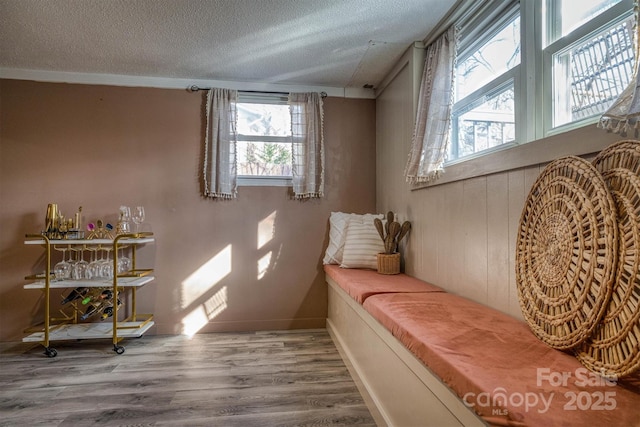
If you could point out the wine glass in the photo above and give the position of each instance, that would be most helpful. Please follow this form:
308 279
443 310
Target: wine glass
124 223
94 266
62 270
138 216
107 265
81 268
124 262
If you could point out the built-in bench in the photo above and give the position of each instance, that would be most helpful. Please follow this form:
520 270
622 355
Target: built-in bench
425 357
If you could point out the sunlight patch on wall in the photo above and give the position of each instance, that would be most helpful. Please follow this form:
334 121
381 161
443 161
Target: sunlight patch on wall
199 317
206 277
263 265
266 229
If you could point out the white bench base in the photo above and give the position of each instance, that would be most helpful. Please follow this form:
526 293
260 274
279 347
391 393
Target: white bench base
397 387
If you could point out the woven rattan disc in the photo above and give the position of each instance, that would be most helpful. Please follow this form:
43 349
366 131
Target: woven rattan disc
613 350
566 252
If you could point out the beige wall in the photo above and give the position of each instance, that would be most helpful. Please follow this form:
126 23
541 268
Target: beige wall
102 146
464 231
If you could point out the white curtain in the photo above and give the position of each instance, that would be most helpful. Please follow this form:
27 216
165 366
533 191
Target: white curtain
308 144
220 144
624 114
431 133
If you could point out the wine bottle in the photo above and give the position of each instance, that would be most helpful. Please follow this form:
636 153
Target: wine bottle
75 294
91 310
108 310
105 295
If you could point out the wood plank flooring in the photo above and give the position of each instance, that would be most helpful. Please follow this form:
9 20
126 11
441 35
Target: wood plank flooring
275 378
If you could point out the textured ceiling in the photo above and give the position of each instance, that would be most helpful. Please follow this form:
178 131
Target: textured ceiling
335 43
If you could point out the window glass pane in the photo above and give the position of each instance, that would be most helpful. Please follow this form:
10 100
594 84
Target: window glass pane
589 76
487 125
576 12
264 158
263 119
498 55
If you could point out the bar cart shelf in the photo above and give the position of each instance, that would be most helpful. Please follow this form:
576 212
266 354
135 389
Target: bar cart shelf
66 324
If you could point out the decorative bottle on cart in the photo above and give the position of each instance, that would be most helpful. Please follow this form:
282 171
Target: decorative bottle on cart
75 294
108 310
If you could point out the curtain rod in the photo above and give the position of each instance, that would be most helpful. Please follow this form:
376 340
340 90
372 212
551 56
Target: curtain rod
195 88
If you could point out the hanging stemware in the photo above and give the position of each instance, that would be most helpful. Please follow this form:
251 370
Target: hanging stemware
94 265
107 265
80 269
124 262
62 270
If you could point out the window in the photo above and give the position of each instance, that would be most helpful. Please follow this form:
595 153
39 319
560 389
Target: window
564 16
488 123
530 69
591 60
480 65
264 140
483 115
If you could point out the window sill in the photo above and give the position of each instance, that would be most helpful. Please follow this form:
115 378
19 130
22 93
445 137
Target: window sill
264 181
584 141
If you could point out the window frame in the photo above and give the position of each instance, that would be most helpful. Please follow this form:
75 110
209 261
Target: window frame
536 64
476 32
490 90
263 180
535 143
607 19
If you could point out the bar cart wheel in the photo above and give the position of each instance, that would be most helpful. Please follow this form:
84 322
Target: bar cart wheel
118 349
50 352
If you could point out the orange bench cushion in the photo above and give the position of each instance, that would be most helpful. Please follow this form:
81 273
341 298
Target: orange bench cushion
496 365
361 284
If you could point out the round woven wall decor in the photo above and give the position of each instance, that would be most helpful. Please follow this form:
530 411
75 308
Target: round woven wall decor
566 252
613 350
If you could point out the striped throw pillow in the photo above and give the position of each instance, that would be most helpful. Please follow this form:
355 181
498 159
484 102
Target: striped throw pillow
361 246
338 223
